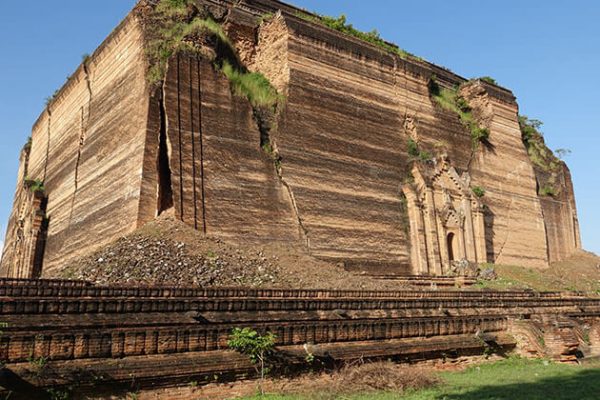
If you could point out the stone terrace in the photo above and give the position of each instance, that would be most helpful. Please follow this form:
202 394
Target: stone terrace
66 333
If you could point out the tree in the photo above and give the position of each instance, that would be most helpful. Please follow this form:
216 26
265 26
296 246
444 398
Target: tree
258 347
562 153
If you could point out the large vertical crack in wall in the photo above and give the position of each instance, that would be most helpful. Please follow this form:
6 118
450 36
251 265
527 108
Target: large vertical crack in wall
201 143
193 139
84 126
179 144
271 59
165 188
47 144
303 232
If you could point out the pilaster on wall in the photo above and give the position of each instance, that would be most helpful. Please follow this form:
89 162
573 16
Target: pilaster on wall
515 227
27 228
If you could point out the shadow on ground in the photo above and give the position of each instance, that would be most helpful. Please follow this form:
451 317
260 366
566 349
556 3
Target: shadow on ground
584 385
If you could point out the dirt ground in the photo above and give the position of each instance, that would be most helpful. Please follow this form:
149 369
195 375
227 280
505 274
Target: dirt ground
167 251
326 385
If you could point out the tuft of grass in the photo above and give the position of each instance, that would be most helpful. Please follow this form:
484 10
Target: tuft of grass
488 79
50 99
340 24
252 85
266 17
176 36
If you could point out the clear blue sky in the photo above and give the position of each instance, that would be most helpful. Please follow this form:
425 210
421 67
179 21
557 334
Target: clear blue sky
546 51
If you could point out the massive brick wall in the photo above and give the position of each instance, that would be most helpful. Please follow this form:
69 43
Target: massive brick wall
222 181
87 149
560 217
114 153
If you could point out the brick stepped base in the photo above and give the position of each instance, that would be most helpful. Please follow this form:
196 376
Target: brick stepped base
90 334
412 280
58 288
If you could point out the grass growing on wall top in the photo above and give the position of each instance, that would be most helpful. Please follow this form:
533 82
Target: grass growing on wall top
533 139
176 36
340 24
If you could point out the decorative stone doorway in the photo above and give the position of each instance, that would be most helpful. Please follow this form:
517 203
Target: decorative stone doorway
451 244
446 218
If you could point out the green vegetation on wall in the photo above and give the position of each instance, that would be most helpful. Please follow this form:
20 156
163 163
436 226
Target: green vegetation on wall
27 145
415 153
451 100
478 191
35 185
252 85
179 26
340 24
543 159
488 79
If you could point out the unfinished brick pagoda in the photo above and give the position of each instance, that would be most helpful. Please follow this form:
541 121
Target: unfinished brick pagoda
114 151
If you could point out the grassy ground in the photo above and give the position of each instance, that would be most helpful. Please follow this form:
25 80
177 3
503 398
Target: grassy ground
579 272
507 380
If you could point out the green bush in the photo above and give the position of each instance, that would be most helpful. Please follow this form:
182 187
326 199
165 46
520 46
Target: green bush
480 134
413 148
416 154
425 156
540 155
478 191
